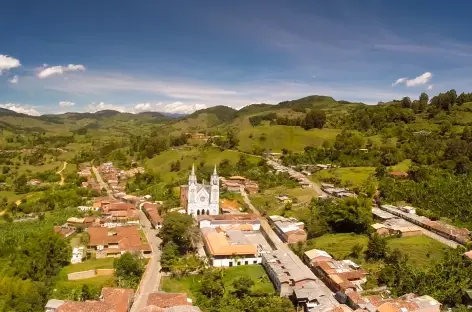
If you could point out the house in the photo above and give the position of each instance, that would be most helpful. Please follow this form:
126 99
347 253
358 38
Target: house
293 279
284 199
337 275
245 221
106 242
251 187
64 230
112 299
382 229
229 248
399 174
152 213
290 230
468 254
34 182
415 304
165 300
76 222
77 255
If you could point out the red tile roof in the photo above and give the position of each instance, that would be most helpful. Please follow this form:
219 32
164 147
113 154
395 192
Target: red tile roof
87 306
118 298
167 300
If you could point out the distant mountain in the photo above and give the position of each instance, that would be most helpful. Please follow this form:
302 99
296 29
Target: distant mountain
9 112
222 113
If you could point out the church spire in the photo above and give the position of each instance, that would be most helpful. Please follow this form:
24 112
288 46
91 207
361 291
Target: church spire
214 171
193 169
192 179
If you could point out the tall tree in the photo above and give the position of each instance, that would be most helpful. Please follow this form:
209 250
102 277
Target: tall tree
424 100
406 102
316 118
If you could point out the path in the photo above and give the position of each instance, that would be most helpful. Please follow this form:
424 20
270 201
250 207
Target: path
64 166
151 278
102 183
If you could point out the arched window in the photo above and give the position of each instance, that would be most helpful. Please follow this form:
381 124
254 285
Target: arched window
198 212
208 212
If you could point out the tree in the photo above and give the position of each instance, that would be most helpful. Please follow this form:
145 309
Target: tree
406 102
176 228
424 99
242 286
377 248
128 269
212 285
381 172
346 215
170 254
446 127
314 119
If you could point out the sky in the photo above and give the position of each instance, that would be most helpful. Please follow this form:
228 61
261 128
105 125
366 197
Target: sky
179 56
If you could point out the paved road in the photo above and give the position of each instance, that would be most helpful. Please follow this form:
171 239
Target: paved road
102 183
151 277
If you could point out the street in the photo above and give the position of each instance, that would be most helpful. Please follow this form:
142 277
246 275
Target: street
102 183
151 277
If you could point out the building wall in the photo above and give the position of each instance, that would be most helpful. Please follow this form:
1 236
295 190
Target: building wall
228 262
411 233
383 231
293 238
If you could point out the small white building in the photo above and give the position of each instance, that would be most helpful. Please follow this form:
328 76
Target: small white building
77 255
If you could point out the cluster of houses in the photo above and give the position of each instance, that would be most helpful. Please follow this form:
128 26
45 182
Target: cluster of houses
112 229
459 235
339 192
114 299
388 224
301 178
235 183
110 174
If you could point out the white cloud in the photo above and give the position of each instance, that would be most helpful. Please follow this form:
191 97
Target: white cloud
46 72
430 87
14 79
95 107
8 62
182 108
418 81
66 103
175 107
399 80
23 109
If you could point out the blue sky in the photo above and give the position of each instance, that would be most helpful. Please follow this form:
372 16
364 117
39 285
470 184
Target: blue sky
178 56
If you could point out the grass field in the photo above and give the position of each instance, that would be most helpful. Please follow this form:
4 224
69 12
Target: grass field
91 264
97 281
352 176
188 284
213 156
403 166
266 201
421 250
294 139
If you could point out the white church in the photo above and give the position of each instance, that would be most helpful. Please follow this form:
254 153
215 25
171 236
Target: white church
201 199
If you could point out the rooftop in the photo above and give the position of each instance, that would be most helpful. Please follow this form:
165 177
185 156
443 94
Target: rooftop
167 300
230 243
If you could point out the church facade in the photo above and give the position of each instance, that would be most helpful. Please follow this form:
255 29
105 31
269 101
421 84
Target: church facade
201 199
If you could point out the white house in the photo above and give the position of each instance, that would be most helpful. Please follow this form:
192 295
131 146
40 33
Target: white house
77 255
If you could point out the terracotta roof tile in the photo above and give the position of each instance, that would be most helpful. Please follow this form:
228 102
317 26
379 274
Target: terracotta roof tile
166 300
119 298
87 306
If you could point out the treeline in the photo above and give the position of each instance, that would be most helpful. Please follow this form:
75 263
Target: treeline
315 118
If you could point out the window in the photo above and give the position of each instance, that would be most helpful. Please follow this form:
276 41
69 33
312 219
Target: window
254 262
246 262
230 264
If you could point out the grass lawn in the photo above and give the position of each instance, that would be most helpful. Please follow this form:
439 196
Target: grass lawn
97 281
353 176
90 264
277 137
11 196
266 200
421 250
188 284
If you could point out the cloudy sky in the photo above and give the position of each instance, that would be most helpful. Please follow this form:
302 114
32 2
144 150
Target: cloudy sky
178 56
